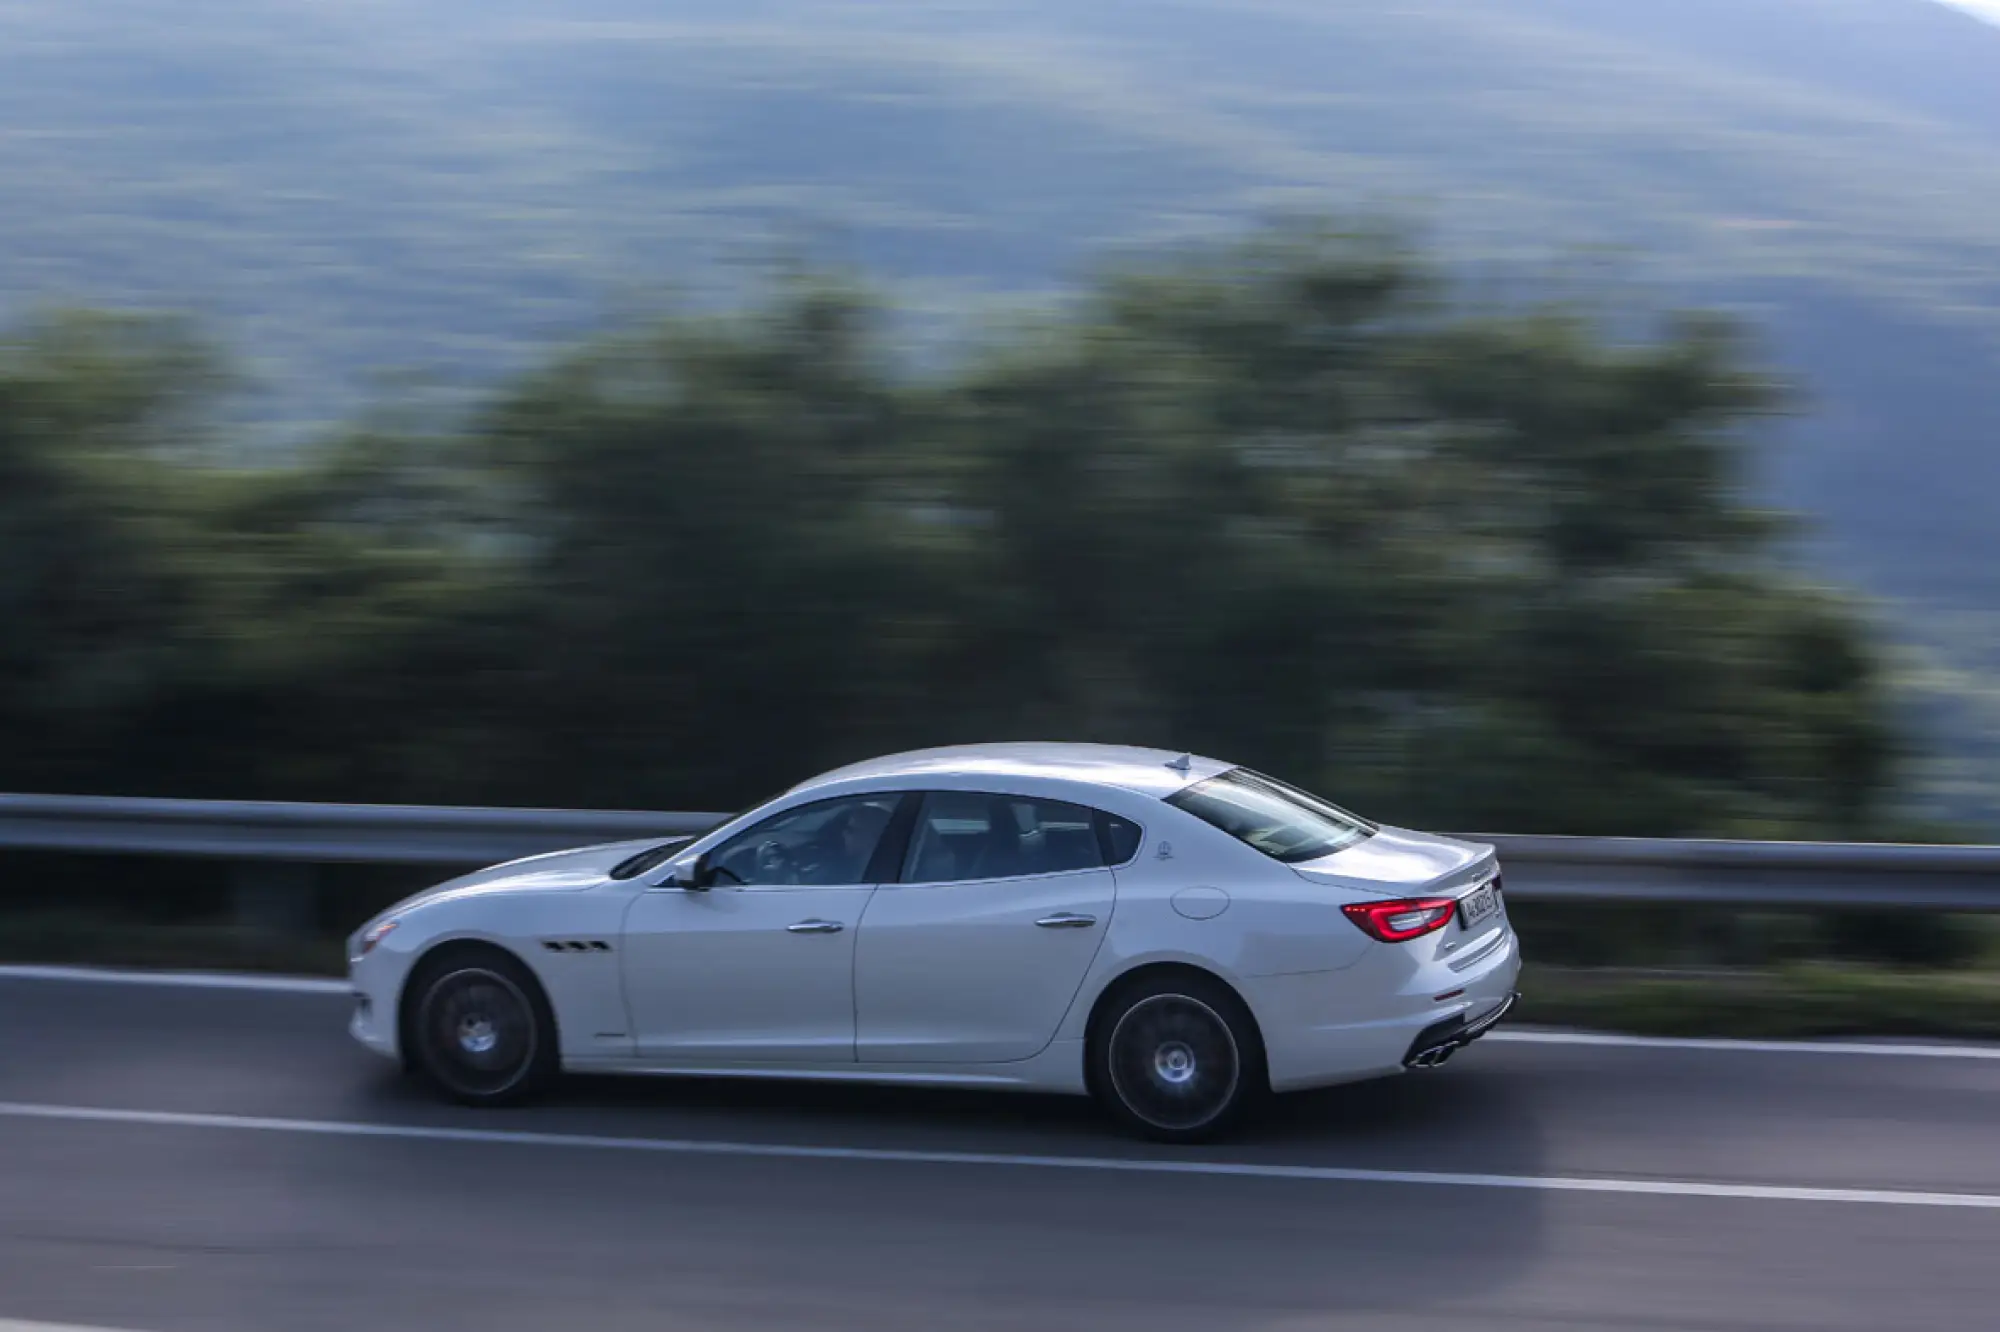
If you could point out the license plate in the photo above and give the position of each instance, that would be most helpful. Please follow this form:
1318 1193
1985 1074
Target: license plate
1477 906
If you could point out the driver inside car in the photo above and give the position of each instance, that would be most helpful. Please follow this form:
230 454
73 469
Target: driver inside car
841 850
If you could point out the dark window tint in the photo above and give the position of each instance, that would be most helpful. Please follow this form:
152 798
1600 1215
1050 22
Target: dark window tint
633 866
827 842
1119 838
1281 821
963 835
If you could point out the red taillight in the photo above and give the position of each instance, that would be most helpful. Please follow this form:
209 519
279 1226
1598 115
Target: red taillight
1403 918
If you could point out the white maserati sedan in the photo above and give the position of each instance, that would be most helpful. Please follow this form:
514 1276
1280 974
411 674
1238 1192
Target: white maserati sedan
1172 935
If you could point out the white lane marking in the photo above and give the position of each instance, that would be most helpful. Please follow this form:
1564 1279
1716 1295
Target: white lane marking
211 980
17 1325
187 980
1529 1036
1127 1165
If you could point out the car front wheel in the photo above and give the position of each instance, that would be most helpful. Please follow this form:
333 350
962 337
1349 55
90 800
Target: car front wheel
480 1031
1178 1059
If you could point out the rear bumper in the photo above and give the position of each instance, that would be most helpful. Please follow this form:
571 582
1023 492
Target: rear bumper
1439 1041
1372 1019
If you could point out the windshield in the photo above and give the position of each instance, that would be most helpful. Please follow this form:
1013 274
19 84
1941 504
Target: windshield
1282 822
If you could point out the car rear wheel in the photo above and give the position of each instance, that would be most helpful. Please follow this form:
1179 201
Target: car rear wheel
480 1030
1177 1058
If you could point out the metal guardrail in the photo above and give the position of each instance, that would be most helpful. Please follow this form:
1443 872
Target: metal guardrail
319 834
1732 873
1605 869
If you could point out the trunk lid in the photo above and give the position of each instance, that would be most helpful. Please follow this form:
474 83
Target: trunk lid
1397 862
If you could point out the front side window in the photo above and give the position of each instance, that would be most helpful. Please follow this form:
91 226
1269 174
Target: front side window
826 842
963 835
1281 821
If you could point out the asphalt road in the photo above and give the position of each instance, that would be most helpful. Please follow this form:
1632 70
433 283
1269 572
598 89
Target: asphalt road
179 1158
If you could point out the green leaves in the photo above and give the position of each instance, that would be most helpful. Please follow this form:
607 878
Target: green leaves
1280 501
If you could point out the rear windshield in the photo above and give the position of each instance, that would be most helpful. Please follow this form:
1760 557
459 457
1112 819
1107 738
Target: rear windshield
1281 821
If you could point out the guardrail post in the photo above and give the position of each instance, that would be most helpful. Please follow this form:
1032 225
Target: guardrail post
275 897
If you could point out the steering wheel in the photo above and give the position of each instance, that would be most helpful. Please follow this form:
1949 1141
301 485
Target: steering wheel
775 864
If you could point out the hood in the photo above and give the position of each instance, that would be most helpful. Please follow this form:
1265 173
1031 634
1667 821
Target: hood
553 871
1396 861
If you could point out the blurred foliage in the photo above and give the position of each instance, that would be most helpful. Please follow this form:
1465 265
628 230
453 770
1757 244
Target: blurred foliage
1787 1003
1662 935
443 188
1287 500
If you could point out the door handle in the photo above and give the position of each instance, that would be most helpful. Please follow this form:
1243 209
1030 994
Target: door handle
1066 920
816 927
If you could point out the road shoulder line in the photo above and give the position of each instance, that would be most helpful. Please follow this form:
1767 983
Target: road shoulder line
20 1110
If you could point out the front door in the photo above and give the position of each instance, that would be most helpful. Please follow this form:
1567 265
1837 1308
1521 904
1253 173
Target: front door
759 965
976 955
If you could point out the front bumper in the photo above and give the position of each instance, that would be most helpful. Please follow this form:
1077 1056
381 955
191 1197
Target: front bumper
373 1020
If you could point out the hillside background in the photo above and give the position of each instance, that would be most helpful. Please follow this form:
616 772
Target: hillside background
442 189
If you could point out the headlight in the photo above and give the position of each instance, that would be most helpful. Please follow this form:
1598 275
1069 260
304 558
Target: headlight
365 942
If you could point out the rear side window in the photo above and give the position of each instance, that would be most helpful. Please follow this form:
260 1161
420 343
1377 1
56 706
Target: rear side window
1119 838
1279 820
964 835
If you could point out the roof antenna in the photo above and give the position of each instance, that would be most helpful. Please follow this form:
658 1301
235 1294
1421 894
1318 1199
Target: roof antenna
1182 764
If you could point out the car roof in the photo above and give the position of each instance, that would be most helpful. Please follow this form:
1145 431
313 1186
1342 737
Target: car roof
1154 772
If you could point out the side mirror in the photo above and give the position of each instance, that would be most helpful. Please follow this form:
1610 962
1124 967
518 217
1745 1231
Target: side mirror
697 877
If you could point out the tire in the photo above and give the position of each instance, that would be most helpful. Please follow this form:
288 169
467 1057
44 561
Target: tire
1177 1058
479 1030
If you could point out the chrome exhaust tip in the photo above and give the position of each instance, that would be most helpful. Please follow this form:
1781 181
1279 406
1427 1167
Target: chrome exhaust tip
1439 1041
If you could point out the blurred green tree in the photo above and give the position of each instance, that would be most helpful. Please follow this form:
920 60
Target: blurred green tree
173 621
1285 501
94 615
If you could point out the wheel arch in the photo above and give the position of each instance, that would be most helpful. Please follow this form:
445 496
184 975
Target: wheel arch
1165 969
468 948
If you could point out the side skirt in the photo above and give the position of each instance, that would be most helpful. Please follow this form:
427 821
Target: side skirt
1059 1069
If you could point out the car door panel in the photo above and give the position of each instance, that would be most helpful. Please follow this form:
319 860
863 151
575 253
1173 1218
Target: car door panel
975 972
756 962
752 973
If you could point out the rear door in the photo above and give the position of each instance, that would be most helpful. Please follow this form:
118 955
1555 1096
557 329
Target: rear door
975 955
